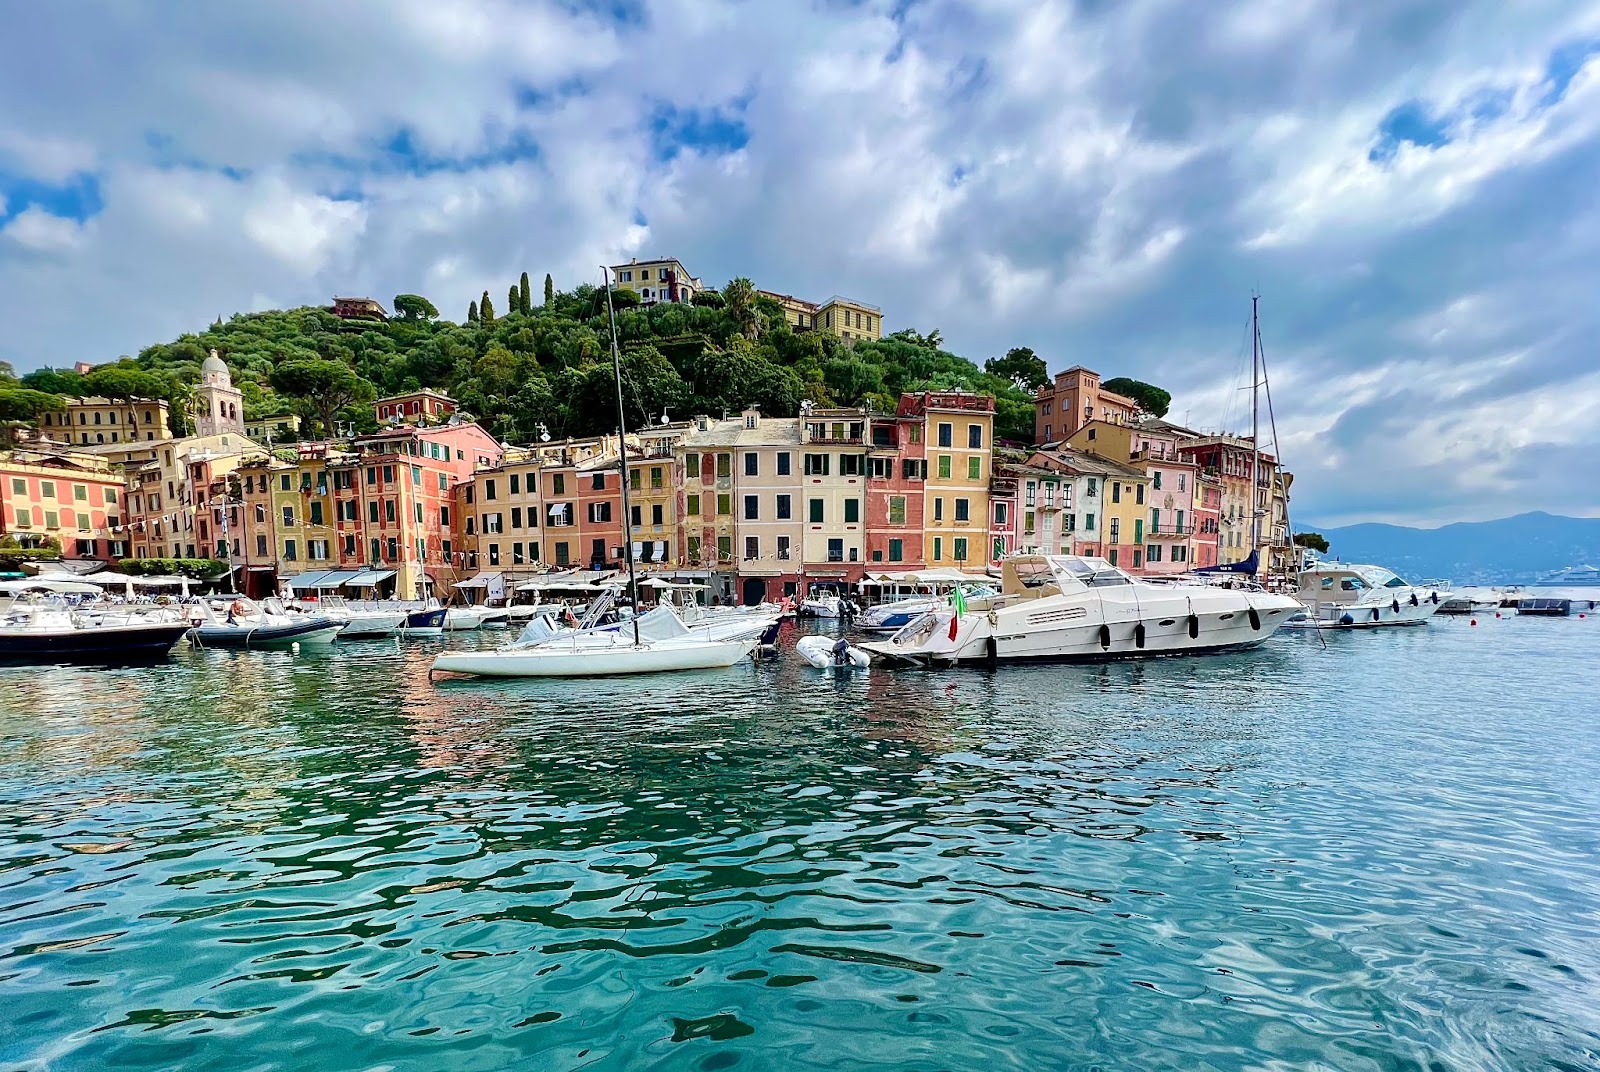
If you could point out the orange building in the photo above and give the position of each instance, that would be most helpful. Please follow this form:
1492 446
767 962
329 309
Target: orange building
1074 399
75 501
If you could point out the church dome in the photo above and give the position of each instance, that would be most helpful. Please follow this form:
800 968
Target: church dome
213 366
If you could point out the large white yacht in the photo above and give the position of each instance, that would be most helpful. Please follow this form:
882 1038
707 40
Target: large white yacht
1338 595
1065 607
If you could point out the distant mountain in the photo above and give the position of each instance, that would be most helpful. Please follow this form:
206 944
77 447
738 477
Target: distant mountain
1512 549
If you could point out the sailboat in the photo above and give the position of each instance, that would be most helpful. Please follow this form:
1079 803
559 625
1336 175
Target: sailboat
646 644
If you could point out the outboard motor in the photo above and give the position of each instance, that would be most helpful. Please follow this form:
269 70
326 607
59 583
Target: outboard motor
841 652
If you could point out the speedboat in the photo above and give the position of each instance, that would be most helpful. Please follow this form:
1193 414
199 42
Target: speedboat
822 603
889 617
247 624
1340 596
461 619
1073 608
360 623
38 626
654 642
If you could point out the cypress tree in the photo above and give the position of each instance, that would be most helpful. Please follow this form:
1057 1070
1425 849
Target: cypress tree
522 292
513 301
472 312
485 309
549 289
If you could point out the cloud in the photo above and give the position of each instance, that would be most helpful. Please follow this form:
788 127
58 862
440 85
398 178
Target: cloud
1408 185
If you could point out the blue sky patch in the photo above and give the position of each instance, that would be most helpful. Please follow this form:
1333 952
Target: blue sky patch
76 199
708 130
1563 65
1410 123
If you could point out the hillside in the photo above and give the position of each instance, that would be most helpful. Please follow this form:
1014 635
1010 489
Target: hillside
549 364
1510 549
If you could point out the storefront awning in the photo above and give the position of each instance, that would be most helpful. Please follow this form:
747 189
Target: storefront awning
369 578
335 578
482 580
305 581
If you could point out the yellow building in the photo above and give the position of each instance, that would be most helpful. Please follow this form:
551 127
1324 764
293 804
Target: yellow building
658 280
958 430
801 314
95 421
849 319
162 494
278 428
833 473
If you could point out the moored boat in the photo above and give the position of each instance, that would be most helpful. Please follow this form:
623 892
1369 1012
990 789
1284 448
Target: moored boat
1342 596
247 624
38 627
1072 608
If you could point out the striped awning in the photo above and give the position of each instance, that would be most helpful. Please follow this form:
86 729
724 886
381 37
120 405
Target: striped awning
368 578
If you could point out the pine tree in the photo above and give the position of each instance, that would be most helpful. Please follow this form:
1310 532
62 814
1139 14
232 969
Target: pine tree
549 289
522 293
513 301
472 312
485 309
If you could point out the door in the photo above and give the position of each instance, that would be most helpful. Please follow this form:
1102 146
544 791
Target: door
755 590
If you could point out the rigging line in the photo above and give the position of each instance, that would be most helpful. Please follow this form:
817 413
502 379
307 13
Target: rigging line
1277 453
1238 374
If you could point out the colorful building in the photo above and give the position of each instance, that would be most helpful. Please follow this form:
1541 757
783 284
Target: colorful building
415 407
1074 399
958 428
98 421
1044 508
1108 502
1246 480
658 280
1153 445
277 428
897 473
75 500
849 319
833 445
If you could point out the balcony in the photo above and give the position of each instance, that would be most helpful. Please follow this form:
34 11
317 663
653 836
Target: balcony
1171 531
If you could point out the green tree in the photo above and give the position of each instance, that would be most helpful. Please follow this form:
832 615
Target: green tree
1021 366
414 307
485 309
524 305
1150 398
472 313
326 386
55 382
1314 540
739 303
26 404
549 291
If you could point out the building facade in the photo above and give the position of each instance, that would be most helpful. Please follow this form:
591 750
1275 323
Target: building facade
75 501
1072 400
663 279
97 421
958 429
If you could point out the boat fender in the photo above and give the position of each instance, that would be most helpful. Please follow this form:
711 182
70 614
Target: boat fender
1255 620
1395 607
1347 620
1434 598
1414 600
991 651
1105 636
1375 613
1138 635
1194 627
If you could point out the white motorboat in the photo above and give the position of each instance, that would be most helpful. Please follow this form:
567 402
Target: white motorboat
243 623
1341 596
827 653
656 641
359 623
822 603
38 626
889 617
464 618
1070 608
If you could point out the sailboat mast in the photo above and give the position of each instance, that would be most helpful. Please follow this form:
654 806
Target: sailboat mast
622 453
1255 426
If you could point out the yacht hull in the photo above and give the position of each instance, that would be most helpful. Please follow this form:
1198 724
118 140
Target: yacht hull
243 636
132 642
562 661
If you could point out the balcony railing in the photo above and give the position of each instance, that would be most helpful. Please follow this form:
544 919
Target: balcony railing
1171 529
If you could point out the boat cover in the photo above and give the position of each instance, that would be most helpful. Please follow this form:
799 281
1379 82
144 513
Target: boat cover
1250 565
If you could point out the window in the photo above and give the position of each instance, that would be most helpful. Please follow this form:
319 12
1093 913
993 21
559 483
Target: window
377 552
852 464
19 486
783 463
946 433
752 547
516 554
692 548
1138 494
372 511
692 504
944 467
1116 529
897 511
724 505
1093 489
80 493
896 550
316 514
974 468
1088 522
1111 556
47 489
938 548
261 545
783 548
516 516
416 476
52 520
655 477
852 511
558 484
751 464
938 508
816 465
657 514
1000 513
1153 554
599 482
963 510
815 508
634 479
691 466
514 481
317 550
752 507
636 517
349 545
974 437
835 550
599 513
388 511
880 468
394 549
1027 521
491 523
724 548
1155 480
1116 493
724 466
914 469
961 548
289 553
1136 555
288 517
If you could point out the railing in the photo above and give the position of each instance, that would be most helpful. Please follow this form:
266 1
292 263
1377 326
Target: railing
1173 529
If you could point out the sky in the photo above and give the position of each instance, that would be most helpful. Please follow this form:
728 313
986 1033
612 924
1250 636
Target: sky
1410 186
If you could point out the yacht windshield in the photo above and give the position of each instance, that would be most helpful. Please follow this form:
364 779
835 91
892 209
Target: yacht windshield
1379 577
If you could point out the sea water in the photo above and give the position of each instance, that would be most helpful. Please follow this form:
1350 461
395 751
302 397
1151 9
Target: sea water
1369 850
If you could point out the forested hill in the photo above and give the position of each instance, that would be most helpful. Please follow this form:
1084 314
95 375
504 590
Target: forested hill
549 363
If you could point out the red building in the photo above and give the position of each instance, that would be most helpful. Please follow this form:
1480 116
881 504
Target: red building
897 468
415 407
1005 504
80 507
359 309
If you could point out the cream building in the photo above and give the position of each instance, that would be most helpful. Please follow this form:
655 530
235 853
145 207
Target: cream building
658 280
959 432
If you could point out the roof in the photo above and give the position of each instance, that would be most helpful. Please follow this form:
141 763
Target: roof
1156 424
1088 464
840 299
732 432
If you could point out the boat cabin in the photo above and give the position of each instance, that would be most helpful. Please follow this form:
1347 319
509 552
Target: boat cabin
1342 584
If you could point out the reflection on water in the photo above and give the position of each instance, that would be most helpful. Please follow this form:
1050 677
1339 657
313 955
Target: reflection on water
1379 853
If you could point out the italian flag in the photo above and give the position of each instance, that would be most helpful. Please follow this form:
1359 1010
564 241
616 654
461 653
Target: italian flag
958 601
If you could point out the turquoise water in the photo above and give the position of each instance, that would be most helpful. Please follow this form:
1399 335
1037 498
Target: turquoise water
1382 854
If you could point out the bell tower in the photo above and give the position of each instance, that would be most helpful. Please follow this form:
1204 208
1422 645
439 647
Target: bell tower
221 404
